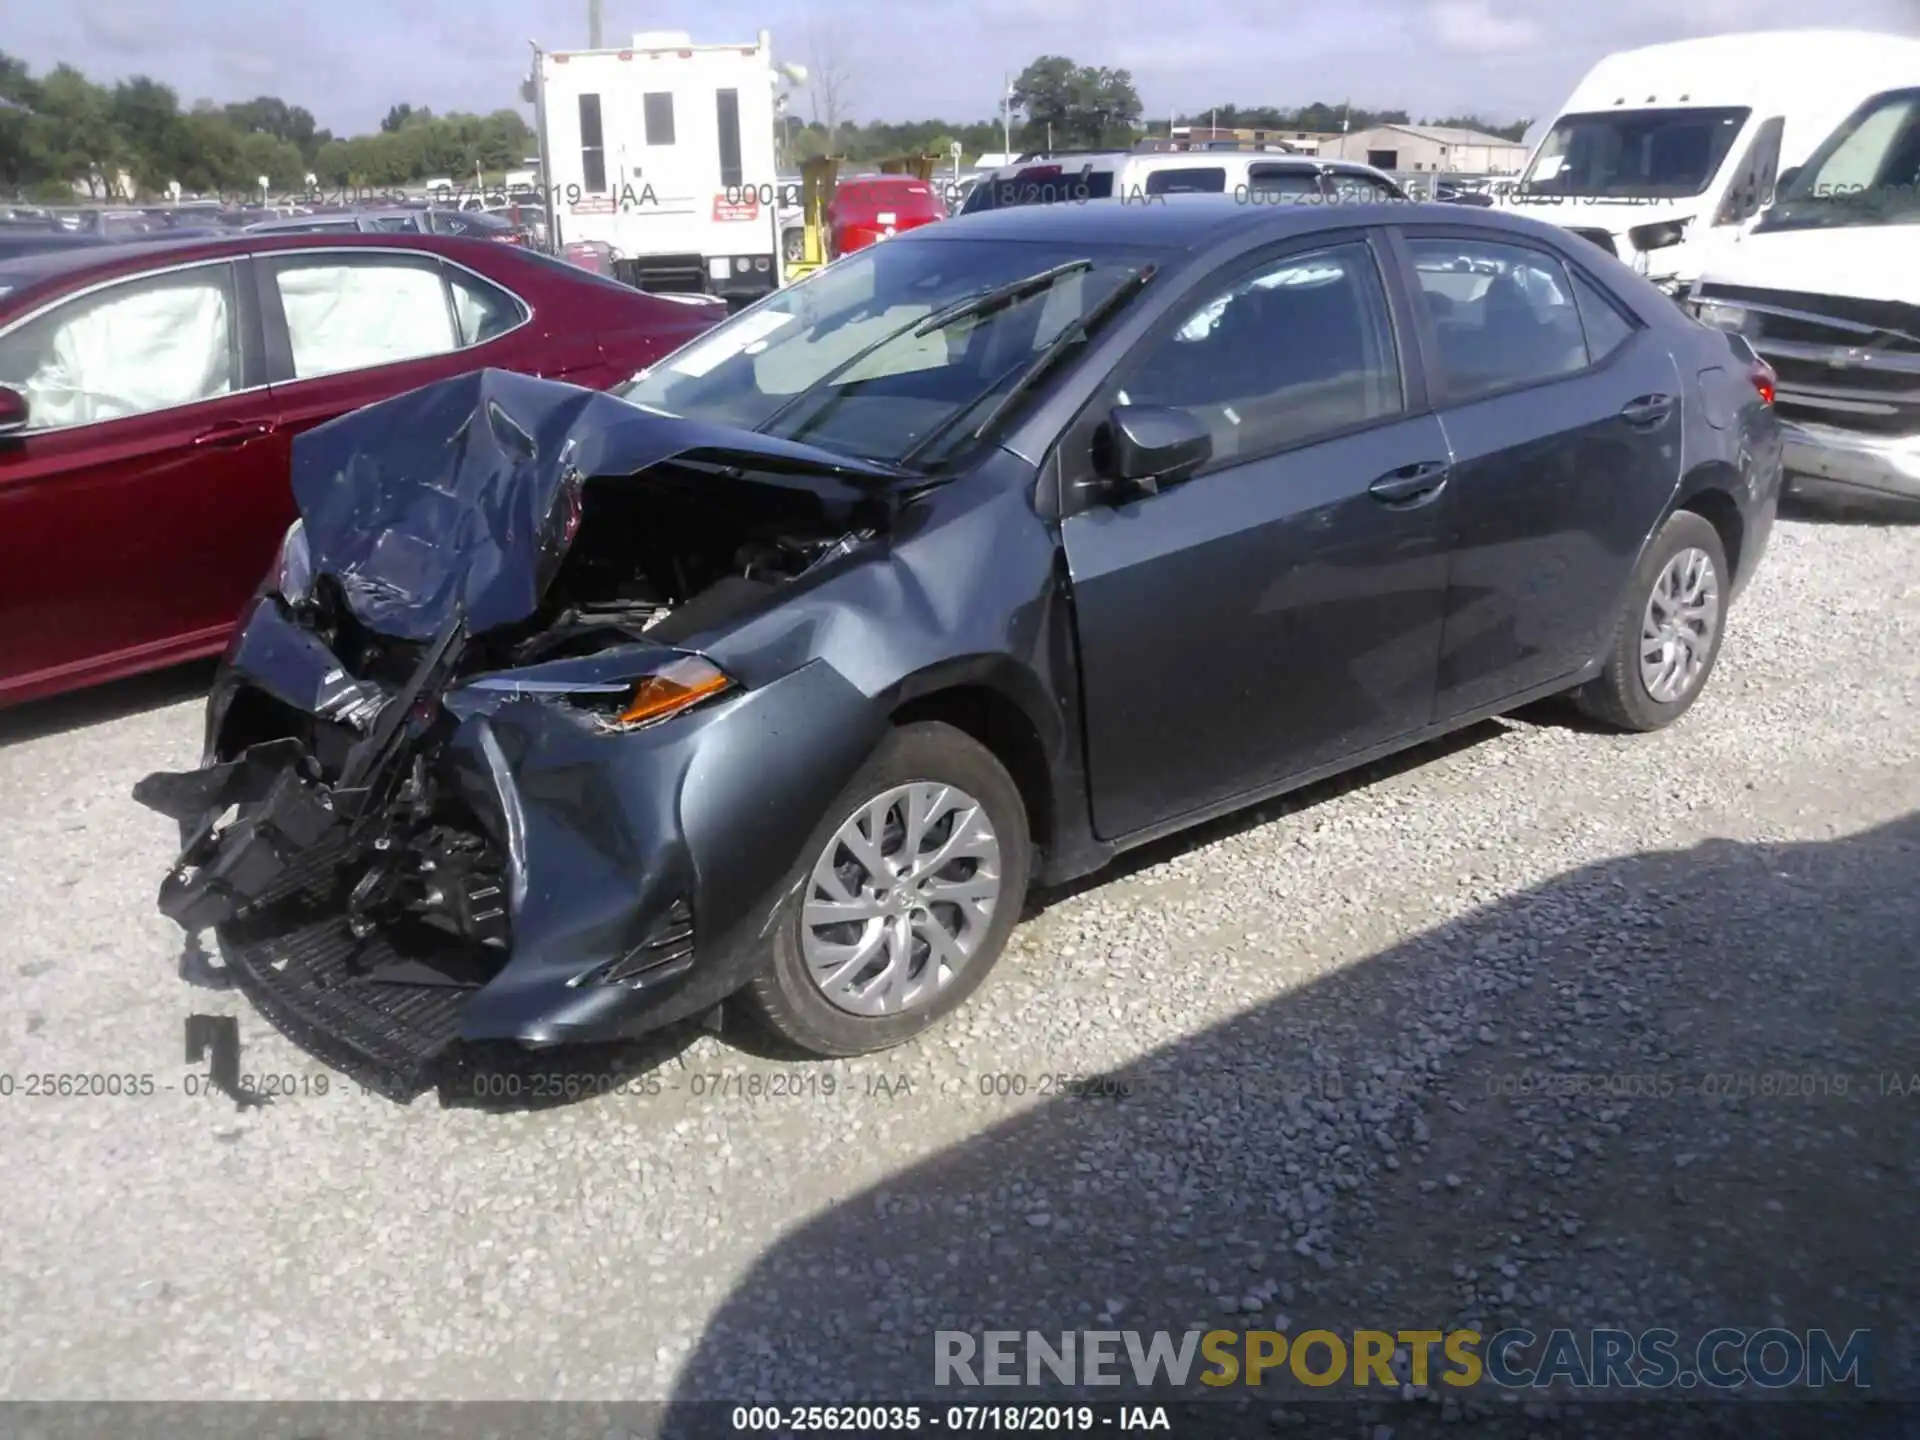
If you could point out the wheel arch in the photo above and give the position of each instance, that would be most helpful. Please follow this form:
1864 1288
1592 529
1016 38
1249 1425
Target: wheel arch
1006 709
1708 491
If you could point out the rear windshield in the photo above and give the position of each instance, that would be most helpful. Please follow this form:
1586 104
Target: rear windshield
1190 180
1040 185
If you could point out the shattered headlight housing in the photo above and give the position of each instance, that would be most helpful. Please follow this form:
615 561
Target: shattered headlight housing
293 568
683 682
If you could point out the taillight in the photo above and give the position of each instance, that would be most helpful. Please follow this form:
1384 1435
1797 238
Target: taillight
1763 381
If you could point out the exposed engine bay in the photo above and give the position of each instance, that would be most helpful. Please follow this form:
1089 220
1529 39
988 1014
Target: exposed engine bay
491 557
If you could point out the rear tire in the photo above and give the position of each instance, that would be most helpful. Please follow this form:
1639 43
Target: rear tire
869 952
1667 637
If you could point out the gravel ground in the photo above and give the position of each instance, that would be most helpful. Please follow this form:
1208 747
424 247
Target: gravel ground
1320 1010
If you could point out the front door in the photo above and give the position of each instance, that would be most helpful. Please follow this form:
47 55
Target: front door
1281 609
140 506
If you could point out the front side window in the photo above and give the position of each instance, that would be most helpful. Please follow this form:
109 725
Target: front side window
593 147
1269 182
1297 348
1503 315
1633 154
130 349
841 360
345 313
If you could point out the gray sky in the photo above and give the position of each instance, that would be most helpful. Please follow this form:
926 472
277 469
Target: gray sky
348 60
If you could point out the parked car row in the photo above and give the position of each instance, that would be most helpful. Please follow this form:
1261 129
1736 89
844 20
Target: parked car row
150 392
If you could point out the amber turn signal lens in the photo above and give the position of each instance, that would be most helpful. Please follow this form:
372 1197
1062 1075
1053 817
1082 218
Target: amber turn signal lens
685 682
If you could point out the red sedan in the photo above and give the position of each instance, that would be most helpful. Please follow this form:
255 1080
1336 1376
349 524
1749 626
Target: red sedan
867 208
150 392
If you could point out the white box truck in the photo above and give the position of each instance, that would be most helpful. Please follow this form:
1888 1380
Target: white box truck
1661 153
663 150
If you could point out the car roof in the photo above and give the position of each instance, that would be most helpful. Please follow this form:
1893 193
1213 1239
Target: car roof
1069 161
28 272
1190 222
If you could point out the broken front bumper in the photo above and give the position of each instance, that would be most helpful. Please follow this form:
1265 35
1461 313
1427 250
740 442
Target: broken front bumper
639 869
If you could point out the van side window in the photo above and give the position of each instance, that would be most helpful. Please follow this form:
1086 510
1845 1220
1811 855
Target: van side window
1193 180
593 151
657 110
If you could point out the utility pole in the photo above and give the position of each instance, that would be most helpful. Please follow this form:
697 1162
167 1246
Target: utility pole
1006 116
593 24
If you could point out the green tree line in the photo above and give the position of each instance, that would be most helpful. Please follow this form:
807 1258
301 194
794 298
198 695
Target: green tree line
61 131
1059 104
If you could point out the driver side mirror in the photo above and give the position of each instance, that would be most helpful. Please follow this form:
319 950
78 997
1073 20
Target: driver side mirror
1785 178
1143 447
14 412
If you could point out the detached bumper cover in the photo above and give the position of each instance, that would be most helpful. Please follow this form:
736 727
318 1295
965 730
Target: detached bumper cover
1826 459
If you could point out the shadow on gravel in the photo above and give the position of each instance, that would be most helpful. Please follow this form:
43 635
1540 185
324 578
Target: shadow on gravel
104 703
1658 1092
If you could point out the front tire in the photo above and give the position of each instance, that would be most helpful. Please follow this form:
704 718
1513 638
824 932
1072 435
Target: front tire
1668 635
902 900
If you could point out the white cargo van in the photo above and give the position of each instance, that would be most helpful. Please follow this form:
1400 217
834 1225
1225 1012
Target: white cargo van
1827 288
1661 152
663 151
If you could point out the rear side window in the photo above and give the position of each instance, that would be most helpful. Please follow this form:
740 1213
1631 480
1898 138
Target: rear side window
1607 329
1193 180
1504 315
349 313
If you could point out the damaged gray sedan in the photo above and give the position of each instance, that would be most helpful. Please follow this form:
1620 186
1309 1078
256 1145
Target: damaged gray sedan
768 685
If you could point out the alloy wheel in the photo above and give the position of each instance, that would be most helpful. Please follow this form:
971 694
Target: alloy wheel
1677 631
900 899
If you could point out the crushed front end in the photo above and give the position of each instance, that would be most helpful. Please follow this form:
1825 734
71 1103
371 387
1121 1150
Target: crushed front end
467 777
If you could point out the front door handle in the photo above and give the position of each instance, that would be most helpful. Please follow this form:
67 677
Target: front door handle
1411 485
1647 410
233 432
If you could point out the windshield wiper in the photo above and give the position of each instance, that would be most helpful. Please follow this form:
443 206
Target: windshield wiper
1029 372
980 303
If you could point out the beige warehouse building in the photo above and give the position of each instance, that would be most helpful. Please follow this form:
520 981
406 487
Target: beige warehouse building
1430 148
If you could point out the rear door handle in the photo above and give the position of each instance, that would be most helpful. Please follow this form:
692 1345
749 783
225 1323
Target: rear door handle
1411 485
233 432
1647 410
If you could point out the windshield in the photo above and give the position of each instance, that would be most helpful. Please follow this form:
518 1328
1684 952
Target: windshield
1633 154
755 370
1866 173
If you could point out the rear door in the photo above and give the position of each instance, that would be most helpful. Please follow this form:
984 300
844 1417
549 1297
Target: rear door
1281 609
1562 411
137 511
344 328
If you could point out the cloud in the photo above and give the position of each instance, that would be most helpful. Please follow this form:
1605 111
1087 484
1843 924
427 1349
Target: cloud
1471 27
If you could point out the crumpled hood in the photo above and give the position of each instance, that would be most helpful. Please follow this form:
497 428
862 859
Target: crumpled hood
1616 217
464 495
